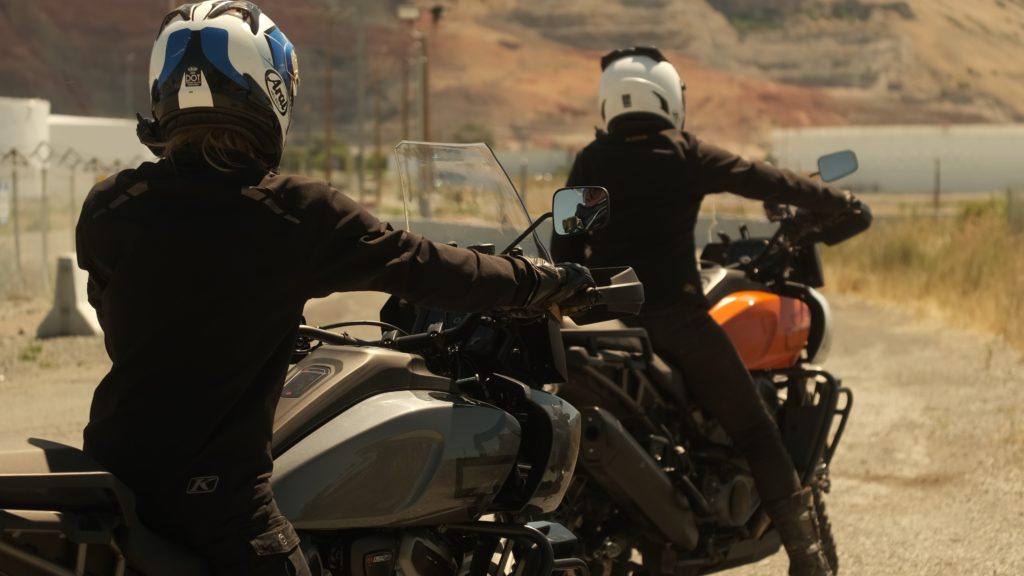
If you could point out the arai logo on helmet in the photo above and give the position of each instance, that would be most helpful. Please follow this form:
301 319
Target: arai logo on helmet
275 87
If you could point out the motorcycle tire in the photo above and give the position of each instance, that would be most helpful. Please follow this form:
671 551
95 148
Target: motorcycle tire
828 542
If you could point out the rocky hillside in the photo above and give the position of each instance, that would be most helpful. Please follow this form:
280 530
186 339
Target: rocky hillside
528 68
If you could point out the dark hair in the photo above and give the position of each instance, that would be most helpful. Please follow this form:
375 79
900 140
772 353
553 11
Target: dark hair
224 149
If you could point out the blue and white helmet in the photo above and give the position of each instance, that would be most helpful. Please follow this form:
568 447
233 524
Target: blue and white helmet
224 63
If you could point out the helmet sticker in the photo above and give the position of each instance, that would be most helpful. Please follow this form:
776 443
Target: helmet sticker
215 48
195 91
193 77
283 54
177 43
275 87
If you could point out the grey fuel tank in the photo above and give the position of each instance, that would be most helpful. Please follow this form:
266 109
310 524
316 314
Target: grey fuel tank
398 458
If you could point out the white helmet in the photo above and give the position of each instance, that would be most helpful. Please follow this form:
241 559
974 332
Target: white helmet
641 81
224 63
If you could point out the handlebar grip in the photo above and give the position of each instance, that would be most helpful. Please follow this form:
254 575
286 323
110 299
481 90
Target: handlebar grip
627 297
582 299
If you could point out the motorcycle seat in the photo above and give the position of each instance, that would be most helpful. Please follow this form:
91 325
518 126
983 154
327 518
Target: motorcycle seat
48 476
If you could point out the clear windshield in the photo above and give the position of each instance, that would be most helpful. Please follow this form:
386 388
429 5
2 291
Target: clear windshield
460 193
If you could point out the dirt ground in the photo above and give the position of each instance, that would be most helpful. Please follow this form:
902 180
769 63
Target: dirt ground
929 478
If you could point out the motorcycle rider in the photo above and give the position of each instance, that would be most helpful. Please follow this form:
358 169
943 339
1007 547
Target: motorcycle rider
657 174
199 267
593 209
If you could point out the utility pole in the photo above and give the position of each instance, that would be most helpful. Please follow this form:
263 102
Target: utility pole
522 134
129 61
329 100
405 94
425 85
378 156
410 14
360 94
435 17
938 185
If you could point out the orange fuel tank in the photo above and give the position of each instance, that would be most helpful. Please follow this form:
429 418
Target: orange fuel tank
768 330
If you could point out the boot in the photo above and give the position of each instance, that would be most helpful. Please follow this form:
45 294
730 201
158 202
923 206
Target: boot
794 518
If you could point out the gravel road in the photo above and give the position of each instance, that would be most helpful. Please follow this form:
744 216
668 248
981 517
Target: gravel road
929 479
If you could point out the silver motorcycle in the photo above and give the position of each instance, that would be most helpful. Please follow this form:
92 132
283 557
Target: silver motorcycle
428 451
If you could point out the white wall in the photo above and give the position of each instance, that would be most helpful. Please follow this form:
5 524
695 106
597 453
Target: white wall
109 140
904 158
23 123
23 127
27 122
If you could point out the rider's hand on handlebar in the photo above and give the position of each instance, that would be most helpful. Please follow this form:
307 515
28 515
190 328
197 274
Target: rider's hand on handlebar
555 284
857 206
776 212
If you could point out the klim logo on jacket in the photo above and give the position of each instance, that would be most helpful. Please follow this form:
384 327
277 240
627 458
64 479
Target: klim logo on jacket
202 484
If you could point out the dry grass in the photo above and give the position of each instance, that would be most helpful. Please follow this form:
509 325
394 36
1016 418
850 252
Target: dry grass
970 266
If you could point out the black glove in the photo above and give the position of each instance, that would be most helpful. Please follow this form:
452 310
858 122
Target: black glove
859 208
850 222
775 212
557 283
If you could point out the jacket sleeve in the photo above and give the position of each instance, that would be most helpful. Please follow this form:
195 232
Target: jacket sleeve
96 248
718 170
566 248
356 251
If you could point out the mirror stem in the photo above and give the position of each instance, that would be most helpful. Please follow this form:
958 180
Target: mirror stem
527 232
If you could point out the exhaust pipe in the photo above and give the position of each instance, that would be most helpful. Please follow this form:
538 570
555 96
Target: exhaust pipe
633 479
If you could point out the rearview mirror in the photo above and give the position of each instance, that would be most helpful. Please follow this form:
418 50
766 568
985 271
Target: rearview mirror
836 165
580 209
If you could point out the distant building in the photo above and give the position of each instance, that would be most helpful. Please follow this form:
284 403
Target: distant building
964 157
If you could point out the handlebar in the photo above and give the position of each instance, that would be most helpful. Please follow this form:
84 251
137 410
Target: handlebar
619 291
327 336
804 228
434 335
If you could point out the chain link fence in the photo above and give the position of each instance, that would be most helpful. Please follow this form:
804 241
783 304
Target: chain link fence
41 195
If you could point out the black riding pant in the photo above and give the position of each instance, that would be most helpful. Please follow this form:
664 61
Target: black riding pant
258 541
689 339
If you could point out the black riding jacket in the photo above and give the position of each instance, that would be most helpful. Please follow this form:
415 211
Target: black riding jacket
200 278
656 179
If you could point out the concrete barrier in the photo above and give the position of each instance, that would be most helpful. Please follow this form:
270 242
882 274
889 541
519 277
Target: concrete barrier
71 314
